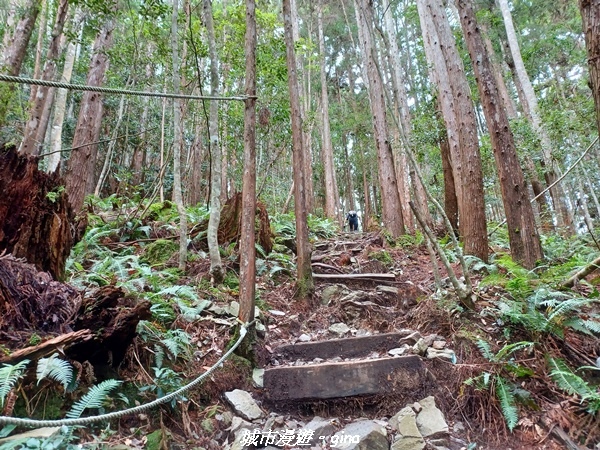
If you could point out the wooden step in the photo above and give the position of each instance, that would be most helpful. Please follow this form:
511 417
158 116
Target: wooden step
352 347
400 375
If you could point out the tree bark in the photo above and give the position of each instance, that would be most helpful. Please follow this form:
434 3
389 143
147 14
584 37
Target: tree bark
551 170
590 15
216 267
331 188
60 100
448 74
178 141
82 162
247 245
14 53
391 208
524 240
304 279
39 115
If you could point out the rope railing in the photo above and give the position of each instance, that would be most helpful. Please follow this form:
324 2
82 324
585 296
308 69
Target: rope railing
5 420
105 90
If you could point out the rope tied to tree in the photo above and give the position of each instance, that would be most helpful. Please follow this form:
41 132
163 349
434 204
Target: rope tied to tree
105 90
5 420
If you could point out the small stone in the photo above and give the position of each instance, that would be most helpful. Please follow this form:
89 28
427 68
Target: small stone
276 312
339 328
257 377
444 353
234 309
364 434
430 420
439 345
397 351
304 337
244 404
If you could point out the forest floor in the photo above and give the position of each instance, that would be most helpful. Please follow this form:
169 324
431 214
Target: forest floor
549 419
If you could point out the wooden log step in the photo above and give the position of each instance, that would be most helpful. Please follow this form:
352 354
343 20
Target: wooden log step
402 375
346 348
355 277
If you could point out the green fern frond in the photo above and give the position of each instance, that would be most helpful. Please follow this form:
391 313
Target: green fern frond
55 369
508 350
508 402
592 325
9 375
191 313
93 399
485 349
566 380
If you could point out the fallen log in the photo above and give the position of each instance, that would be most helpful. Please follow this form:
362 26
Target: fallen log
59 343
591 267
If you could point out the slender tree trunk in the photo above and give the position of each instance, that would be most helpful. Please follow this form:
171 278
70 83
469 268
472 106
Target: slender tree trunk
450 198
39 47
247 239
111 148
305 283
39 115
524 240
137 161
391 208
551 170
331 189
216 267
178 141
60 100
305 95
82 162
15 51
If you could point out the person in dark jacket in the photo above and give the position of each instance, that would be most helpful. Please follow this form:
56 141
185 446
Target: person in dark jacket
352 218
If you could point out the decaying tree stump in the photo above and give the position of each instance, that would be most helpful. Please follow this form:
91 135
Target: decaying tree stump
35 215
97 328
230 224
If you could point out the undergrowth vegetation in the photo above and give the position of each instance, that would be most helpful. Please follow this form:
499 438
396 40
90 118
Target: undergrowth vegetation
133 246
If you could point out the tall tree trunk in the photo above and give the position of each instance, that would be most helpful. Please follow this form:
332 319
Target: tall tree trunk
39 47
448 74
304 281
523 237
39 115
305 95
60 100
137 161
247 239
331 189
15 51
216 267
590 15
82 162
391 208
178 141
450 198
551 169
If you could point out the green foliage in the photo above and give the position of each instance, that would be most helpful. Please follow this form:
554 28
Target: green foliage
55 369
573 384
94 398
9 375
159 252
507 393
383 257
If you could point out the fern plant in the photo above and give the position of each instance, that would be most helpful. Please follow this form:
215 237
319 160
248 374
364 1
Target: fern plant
94 398
9 376
507 393
573 384
55 369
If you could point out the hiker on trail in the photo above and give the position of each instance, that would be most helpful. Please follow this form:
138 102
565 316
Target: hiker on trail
352 219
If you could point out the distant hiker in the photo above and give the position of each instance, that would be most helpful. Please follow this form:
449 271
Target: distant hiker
352 219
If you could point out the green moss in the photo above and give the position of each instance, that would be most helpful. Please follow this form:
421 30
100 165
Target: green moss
382 256
156 440
159 252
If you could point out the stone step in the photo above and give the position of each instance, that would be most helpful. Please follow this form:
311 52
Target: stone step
402 375
352 347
